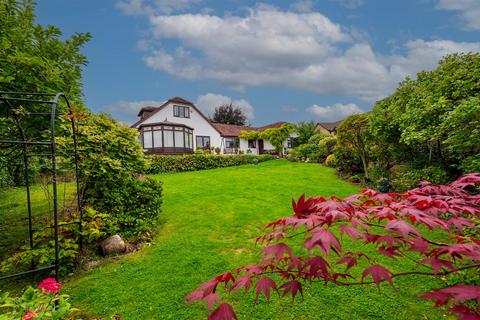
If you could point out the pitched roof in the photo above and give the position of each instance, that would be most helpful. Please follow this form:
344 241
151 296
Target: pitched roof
330 126
230 130
171 100
146 109
272 125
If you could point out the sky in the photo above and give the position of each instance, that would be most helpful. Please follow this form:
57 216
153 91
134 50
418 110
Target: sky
292 61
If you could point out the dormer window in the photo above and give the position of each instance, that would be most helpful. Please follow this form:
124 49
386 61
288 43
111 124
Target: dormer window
181 111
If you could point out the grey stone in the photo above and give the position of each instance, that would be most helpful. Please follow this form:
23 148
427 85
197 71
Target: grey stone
113 245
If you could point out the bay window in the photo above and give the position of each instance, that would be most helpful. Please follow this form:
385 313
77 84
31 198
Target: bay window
162 138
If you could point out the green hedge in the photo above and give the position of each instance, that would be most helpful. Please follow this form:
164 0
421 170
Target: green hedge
195 162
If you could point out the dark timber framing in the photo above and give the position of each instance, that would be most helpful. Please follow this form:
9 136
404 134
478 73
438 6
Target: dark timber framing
177 148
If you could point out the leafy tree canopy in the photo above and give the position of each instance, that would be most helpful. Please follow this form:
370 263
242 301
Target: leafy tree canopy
305 131
229 114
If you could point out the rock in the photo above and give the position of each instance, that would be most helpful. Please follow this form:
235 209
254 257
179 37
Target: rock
113 245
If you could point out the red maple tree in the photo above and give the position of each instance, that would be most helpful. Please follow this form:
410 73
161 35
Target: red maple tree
390 222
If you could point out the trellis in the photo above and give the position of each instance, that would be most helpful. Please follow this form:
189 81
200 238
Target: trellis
10 103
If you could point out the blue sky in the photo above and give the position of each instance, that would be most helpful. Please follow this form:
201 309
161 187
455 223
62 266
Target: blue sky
278 60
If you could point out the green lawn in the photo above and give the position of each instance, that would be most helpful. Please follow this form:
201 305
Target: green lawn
210 218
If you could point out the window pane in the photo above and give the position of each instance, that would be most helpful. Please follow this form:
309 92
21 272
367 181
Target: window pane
157 139
187 112
168 136
190 138
147 128
199 141
176 111
147 139
179 143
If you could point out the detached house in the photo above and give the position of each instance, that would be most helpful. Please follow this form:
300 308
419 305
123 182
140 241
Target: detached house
178 127
329 128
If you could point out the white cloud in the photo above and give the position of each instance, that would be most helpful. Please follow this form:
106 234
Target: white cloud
271 47
350 4
334 112
469 11
208 102
151 7
303 5
127 111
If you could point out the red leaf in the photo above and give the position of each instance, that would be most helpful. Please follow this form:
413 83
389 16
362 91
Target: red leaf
223 312
225 277
465 313
277 250
460 292
419 245
401 227
211 299
318 263
292 287
463 292
264 285
244 282
437 263
378 274
353 233
389 251
324 239
350 261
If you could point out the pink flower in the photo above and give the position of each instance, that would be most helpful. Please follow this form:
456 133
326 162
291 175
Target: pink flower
50 285
30 315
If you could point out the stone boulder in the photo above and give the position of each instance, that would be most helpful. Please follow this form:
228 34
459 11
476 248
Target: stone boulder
113 245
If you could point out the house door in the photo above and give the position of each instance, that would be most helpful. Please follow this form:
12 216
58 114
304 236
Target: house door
260 147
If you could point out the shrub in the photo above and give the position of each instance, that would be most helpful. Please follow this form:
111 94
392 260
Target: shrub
307 151
195 162
347 161
404 177
95 226
394 225
331 161
45 302
471 164
133 206
316 138
327 146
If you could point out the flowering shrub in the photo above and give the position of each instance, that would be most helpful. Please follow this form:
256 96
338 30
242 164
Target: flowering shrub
45 302
394 224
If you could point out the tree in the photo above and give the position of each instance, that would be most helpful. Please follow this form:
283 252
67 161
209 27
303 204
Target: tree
34 58
419 120
354 132
277 136
305 131
432 227
229 114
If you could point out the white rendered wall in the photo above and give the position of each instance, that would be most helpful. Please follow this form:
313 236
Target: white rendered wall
201 127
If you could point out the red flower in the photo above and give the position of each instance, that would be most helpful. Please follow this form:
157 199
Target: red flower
30 315
50 285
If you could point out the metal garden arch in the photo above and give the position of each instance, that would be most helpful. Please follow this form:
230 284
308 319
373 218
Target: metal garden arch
49 101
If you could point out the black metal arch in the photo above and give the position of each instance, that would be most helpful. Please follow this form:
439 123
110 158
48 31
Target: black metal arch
9 100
